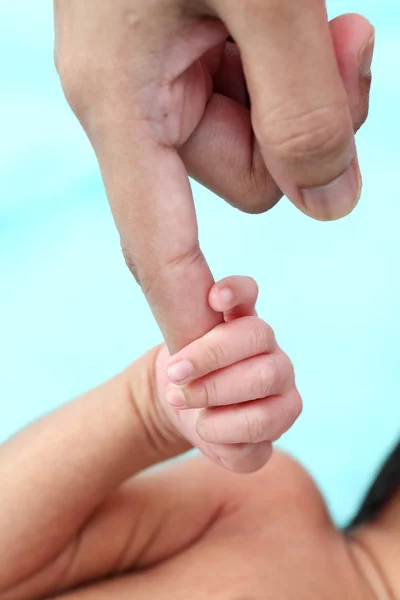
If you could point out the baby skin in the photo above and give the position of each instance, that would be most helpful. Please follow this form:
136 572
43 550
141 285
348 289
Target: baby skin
82 519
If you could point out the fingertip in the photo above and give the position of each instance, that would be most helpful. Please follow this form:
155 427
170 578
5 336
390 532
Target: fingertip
232 292
352 28
227 296
248 459
176 397
180 371
222 298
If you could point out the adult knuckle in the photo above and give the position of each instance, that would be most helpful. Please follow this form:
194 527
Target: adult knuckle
157 270
255 201
252 188
130 263
75 76
255 189
90 88
296 137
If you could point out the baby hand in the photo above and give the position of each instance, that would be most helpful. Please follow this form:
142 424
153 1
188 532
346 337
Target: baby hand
232 392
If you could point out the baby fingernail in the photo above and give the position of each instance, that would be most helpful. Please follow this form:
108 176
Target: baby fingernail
176 398
226 296
180 371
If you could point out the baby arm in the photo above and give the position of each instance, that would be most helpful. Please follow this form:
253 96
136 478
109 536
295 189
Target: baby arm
73 511
58 471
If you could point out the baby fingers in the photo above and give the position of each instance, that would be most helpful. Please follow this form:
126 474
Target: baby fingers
250 423
225 345
257 377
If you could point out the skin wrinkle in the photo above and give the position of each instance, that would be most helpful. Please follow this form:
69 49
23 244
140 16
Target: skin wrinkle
374 565
5 594
216 516
187 259
122 564
360 569
252 427
306 136
152 436
74 558
236 504
160 434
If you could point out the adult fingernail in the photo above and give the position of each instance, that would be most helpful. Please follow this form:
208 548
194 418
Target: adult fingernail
366 56
337 199
176 397
180 371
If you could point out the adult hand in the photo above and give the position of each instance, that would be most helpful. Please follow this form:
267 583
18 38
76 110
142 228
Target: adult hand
160 91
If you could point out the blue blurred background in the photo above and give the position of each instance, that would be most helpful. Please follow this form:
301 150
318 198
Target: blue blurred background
71 315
